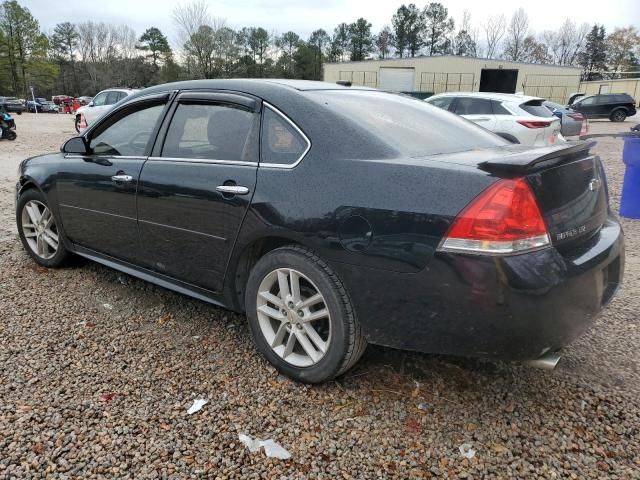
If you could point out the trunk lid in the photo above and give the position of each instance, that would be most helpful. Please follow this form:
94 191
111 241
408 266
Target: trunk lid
568 181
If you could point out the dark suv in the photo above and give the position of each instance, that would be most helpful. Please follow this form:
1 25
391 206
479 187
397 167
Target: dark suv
614 106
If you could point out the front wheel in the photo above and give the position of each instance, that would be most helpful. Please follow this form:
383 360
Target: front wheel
618 116
301 317
38 230
77 123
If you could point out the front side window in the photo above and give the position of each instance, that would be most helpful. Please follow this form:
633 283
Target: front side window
282 144
212 131
129 135
100 99
587 101
442 102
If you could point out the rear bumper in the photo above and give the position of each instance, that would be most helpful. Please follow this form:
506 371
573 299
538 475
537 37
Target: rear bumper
516 307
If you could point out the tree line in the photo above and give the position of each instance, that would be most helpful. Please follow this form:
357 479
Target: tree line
83 58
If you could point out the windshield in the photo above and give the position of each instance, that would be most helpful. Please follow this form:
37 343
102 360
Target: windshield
410 126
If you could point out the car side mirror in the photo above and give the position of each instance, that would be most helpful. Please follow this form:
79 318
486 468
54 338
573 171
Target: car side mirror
90 104
77 145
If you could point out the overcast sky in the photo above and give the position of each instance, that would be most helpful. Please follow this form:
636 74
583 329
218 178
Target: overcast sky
304 16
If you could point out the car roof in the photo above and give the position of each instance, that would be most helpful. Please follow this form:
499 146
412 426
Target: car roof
253 86
503 97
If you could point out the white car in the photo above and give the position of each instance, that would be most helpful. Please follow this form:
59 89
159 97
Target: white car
517 118
101 104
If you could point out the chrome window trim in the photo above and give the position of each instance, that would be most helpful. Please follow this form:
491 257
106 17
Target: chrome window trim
297 129
119 157
204 160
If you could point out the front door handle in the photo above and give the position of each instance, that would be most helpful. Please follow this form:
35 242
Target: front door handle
122 178
482 119
232 189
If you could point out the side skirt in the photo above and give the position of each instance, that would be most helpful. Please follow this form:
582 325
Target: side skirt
163 281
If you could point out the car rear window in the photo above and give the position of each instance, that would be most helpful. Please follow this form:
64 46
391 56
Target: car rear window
410 126
536 108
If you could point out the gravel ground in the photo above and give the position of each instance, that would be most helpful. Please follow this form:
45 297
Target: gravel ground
97 371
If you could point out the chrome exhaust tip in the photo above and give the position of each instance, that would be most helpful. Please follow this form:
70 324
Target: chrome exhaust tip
548 361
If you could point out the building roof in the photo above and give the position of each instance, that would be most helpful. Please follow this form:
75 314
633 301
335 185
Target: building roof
470 59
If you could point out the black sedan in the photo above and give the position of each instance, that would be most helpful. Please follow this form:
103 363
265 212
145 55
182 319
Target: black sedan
11 105
334 217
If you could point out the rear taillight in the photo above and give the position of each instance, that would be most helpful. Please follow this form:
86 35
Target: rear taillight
83 122
584 128
534 123
503 219
576 116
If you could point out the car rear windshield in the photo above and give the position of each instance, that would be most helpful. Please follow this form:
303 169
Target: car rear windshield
536 108
410 126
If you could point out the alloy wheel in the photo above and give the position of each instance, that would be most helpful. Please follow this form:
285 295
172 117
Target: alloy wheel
293 317
39 229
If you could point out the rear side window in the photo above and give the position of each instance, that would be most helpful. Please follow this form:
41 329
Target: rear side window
498 109
473 106
112 98
212 131
281 142
536 108
442 102
623 98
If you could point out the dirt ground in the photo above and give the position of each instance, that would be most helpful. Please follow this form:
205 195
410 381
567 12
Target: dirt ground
97 371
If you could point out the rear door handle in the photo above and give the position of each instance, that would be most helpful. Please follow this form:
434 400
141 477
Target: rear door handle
122 178
232 189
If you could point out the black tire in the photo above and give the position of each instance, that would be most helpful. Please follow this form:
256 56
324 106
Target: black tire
19 113
346 342
11 135
61 254
77 123
618 115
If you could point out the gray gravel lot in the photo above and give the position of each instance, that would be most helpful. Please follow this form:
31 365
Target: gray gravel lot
97 371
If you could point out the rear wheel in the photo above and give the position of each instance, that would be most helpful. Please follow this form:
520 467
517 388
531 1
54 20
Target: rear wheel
301 317
10 135
618 115
39 231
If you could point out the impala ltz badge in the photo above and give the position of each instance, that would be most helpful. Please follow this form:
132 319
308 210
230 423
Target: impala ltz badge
594 184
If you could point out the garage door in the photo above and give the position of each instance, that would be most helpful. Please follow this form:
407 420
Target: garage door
397 79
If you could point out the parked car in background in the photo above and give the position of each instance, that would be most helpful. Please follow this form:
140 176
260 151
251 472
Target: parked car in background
12 105
84 100
614 106
474 247
516 118
572 123
99 105
36 106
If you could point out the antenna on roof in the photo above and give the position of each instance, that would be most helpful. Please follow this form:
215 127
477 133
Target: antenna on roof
344 83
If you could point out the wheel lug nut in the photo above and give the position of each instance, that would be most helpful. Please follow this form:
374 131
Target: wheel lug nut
300 313
299 326
290 304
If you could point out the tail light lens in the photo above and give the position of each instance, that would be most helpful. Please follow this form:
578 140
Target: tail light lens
534 123
83 122
503 219
576 116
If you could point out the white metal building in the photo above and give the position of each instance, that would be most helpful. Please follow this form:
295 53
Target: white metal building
449 73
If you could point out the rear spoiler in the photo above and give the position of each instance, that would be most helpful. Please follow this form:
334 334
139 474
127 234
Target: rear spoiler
530 160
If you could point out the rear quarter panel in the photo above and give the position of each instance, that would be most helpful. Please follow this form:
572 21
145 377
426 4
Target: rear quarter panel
387 214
